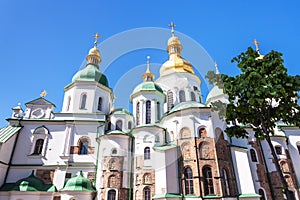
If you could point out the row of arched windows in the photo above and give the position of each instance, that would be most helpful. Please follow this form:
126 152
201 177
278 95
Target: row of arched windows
83 99
182 98
207 181
148 112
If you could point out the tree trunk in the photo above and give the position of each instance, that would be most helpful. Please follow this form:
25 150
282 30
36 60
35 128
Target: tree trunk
278 169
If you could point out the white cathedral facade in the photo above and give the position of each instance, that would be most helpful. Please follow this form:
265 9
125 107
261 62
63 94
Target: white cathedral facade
171 147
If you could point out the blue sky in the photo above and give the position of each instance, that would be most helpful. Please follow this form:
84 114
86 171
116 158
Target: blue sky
44 43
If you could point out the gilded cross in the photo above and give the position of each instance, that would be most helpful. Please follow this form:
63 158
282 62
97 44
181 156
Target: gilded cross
256 44
172 25
96 36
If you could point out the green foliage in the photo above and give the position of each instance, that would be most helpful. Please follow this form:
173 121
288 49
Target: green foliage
260 96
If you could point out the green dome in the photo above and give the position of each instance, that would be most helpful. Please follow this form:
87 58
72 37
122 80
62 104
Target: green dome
215 92
31 183
120 111
79 183
147 86
90 73
186 105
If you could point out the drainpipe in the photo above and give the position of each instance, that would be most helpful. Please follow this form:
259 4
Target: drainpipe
98 149
266 167
130 196
178 162
198 167
13 152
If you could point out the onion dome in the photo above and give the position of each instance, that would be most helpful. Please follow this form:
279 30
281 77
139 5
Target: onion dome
91 71
79 183
175 62
215 92
148 85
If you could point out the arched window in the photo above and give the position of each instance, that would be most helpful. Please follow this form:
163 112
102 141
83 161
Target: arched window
202 133
188 181
181 96
136 195
170 101
208 181
147 178
262 194
185 133
193 96
225 183
112 164
114 151
129 125
278 149
204 150
253 155
157 139
119 125
83 101
111 195
112 181
83 147
158 110
100 104
38 148
148 112
147 193
68 103
137 113
147 153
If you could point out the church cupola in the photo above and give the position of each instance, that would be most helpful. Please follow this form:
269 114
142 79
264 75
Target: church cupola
94 54
175 63
174 44
148 99
89 91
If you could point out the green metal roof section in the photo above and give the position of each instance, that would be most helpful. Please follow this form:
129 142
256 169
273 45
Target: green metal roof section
121 111
147 86
187 105
7 132
167 195
90 73
31 183
211 197
79 183
165 147
249 195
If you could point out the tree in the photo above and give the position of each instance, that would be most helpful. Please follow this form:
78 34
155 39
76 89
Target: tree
262 95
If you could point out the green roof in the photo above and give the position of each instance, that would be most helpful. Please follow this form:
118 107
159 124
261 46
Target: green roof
215 92
165 147
79 183
187 105
90 73
147 86
249 195
7 132
31 183
166 195
121 111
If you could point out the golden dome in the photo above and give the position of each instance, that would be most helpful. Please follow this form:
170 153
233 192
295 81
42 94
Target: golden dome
174 41
175 62
94 51
94 54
